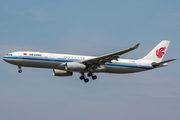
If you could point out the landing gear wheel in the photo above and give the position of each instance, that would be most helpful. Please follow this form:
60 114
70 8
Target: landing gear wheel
20 71
86 80
89 74
94 77
82 77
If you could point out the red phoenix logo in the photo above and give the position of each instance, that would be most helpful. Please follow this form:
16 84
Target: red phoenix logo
160 52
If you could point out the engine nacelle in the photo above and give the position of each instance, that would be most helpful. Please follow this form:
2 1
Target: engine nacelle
74 66
62 73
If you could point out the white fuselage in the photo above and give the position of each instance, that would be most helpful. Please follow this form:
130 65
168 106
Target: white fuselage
53 61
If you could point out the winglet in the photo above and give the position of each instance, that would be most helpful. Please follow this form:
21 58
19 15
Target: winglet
136 45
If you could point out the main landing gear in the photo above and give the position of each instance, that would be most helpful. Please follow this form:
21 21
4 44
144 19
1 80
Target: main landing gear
83 77
20 71
91 75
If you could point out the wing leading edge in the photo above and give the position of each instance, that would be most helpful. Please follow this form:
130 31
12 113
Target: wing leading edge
108 57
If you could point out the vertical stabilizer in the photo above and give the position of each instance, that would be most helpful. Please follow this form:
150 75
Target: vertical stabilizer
158 52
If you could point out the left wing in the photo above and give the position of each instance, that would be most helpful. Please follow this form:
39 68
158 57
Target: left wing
107 58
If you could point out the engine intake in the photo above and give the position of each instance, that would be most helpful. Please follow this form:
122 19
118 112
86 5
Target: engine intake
61 73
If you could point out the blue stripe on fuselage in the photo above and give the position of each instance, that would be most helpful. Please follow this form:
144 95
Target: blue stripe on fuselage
128 65
38 58
65 60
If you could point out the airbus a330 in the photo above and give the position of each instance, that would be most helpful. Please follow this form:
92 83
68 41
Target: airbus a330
65 64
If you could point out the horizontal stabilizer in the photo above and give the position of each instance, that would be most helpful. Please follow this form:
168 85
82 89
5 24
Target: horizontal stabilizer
161 63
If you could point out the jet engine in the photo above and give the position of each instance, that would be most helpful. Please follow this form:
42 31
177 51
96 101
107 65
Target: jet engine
74 66
62 73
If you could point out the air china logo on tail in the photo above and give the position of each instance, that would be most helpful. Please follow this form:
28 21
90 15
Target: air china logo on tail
160 52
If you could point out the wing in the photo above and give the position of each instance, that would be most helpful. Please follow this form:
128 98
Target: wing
107 58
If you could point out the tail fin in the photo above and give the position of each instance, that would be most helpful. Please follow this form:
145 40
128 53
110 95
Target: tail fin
158 52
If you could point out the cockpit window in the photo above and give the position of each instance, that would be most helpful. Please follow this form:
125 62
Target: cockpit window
9 55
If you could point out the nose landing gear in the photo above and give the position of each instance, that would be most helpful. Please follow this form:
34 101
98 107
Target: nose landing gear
20 71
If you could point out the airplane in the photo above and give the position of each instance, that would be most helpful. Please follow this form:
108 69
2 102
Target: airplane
66 64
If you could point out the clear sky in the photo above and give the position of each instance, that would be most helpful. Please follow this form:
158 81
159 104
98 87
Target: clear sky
89 27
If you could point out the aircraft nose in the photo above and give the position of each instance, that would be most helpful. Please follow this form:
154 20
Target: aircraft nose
8 59
4 58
